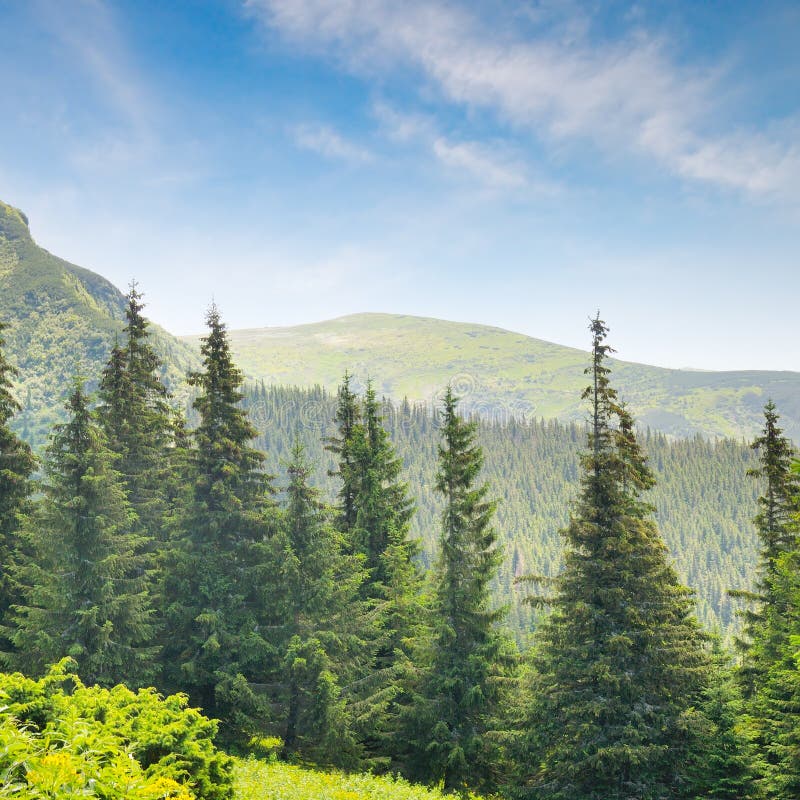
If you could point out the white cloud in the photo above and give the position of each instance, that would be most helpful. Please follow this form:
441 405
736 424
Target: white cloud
480 162
327 142
624 96
494 164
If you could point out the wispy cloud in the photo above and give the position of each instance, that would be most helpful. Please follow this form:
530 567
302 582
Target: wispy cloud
494 164
327 142
480 162
629 95
89 30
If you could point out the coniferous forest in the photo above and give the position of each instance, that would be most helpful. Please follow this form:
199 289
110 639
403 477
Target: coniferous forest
339 582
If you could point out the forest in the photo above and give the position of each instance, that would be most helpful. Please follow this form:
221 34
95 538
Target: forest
276 583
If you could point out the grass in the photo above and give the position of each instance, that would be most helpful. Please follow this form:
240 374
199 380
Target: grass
259 780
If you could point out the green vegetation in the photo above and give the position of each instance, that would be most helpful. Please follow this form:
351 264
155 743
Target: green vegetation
62 321
703 497
60 739
83 573
156 548
16 467
620 662
257 780
499 373
466 668
215 566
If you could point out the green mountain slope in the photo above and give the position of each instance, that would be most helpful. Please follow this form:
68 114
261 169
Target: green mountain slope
498 372
62 321
704 499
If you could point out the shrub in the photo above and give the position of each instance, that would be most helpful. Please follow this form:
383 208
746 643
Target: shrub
59 739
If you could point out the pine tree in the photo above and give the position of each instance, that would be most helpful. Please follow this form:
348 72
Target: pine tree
382 506
721 763
85 582
774 707
380 533
217 569
450 726
16 466
768 672
320 627
620 662
137 420
374 514
348 416
777 525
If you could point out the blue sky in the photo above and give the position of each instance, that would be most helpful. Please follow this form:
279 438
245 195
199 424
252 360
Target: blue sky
520 164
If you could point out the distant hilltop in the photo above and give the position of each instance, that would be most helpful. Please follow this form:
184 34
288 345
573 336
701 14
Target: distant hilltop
63 319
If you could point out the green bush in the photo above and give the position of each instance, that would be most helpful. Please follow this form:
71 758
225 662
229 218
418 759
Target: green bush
59 739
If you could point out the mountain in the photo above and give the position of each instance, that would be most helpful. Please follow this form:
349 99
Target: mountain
500 373
62 321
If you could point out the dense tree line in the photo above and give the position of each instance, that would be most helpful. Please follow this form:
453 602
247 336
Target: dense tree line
159 551
703 497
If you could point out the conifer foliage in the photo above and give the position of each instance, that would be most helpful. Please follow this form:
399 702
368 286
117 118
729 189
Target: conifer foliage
136 418
620 662
215 647
85 579
469 662
374 514
320 627
769 669
16 465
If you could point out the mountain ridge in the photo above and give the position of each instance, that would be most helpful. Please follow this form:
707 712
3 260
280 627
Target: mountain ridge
501 372
62 321
63 318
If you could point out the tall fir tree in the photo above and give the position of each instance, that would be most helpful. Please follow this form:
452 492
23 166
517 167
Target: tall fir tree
777 525
620 662
217 567
466 671
769 666
382 506
135 415
321 627
774 706
380 533
85 581
17 464
348 417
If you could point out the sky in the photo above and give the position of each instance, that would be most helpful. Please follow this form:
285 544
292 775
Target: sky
515 163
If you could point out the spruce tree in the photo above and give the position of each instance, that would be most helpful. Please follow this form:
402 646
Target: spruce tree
374 514
466 670
620 662
320 627
85 580
774 707
770 650
381 503
777 525
217 568
380 533
721 763
135 415
348 416
16 466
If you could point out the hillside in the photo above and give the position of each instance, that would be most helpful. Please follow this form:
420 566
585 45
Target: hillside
62 321
704 499
498 372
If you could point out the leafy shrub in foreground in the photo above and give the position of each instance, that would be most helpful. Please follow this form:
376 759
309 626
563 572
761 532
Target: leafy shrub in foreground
59 739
